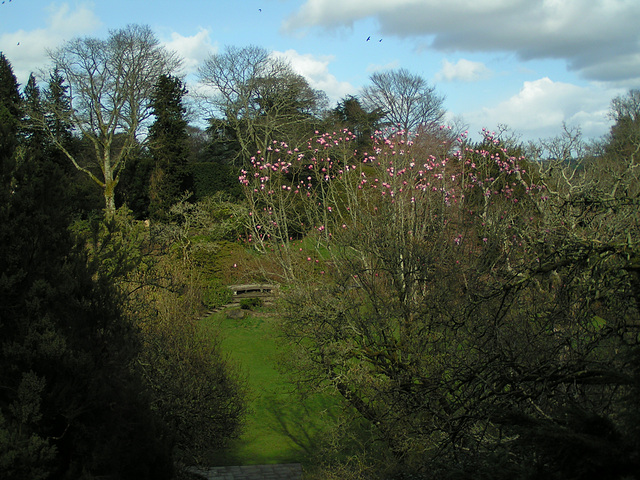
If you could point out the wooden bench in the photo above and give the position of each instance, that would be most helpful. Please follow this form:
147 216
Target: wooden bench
257 290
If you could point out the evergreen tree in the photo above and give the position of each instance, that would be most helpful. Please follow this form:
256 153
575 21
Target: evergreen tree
9 94
69 404
624 138
133 189
9 116
31 127
169 146
58 112
350 114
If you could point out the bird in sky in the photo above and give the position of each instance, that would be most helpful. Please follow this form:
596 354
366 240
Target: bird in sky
368 38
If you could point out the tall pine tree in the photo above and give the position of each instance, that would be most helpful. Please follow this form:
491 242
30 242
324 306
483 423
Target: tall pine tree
169 146
9 116
58 112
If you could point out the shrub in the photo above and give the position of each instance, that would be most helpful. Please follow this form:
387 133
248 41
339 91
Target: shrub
216 294
250 303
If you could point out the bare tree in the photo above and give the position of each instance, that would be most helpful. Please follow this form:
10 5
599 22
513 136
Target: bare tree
407 100
561 161
258 97
110 83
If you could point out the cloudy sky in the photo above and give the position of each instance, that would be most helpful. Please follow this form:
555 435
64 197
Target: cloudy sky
528 64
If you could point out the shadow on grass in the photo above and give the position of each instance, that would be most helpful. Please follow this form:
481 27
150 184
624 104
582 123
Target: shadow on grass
288 430
281 426
303 422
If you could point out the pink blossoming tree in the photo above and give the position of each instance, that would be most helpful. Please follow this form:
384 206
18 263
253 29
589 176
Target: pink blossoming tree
450 296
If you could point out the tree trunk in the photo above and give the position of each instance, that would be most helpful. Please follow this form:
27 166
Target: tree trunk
109 186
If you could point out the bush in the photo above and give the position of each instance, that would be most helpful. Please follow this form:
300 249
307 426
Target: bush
196 390
210 178
216 294
250 303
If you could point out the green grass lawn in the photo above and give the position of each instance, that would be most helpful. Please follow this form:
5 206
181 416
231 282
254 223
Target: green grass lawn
280 427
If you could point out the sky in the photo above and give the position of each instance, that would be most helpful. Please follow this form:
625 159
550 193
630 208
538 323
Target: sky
528 64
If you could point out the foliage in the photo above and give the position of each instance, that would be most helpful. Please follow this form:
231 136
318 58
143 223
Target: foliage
112 82
350 115
216 294
118 248
464 310
169 146
196 390
193 389
210 178
70 406
83 193
259 98
10 113
134 186
625 111
250 303
477 311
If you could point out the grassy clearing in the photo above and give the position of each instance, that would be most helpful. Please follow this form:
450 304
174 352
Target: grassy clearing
280 427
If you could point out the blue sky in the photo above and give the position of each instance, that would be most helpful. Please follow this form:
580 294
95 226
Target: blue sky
528 64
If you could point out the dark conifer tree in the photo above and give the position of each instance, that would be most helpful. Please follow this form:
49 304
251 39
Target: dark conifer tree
58 107
169 146
9 116
133 189
69 405
350 114
32 129
624 138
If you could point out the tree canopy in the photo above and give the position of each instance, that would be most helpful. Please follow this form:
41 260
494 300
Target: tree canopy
477 321
69 402
406 100
473 305
111 83
169 144
257 99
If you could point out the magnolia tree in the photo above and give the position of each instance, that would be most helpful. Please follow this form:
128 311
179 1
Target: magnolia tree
328 189
457 303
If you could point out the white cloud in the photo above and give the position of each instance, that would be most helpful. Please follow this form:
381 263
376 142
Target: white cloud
375 67
316 71
540 107
68 23
337 13
463 71
589 35
27 50
192 49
